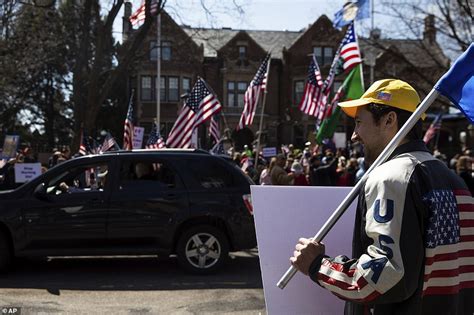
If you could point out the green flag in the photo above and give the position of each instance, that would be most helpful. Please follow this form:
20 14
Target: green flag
352 88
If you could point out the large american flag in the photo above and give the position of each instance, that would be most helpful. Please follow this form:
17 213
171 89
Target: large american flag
155 140
449 242
312 89
128 126
321 96
257 85
350 53
433 129
214 130
139 16
198 108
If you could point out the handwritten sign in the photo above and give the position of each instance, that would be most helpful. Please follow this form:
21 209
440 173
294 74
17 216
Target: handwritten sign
138 133
24 172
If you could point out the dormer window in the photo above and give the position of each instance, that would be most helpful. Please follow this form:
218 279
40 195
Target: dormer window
323 55
242 52
165 50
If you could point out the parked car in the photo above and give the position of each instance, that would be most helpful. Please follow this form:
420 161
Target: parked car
171 201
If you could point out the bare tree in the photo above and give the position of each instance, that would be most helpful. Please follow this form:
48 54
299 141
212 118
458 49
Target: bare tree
424 35
453 20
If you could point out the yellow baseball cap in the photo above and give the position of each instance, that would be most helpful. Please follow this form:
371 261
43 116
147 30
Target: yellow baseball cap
390 92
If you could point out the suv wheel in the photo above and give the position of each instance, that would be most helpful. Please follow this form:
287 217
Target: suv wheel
5 253
202 249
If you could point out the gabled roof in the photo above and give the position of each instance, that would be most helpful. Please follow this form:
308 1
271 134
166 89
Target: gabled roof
215 39
417 52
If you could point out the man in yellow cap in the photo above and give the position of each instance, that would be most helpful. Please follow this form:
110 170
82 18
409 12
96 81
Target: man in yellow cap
413 241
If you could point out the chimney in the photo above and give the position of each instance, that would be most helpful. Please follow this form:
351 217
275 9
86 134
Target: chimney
429 34
126 26
375 33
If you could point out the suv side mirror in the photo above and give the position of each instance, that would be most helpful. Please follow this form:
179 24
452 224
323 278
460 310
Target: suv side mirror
40 192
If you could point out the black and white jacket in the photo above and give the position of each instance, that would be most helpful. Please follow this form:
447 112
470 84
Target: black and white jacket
413 241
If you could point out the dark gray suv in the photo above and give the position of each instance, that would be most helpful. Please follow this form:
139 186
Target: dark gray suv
183 202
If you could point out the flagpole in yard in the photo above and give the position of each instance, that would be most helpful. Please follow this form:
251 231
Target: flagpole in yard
261 115
158 69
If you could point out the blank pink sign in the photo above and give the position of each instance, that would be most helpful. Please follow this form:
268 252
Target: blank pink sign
283 214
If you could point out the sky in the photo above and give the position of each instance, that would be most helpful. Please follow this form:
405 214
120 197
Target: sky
292 15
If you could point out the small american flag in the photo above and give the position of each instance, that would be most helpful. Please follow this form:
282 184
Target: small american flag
257 85
139 16
214 130
155 140
350 53
313 87
449 237
109 143
85 146
198 108
218 148
128 126
433 129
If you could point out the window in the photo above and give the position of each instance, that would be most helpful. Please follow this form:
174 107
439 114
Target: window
231 94
166 51
186 87
145 88
162 88
81 179
146 176
318 53
327 56
169 89
242 52
153 51
173 89
298 89
210 174
235 93
323 55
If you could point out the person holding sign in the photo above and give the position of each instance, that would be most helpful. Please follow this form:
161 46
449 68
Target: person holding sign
413 236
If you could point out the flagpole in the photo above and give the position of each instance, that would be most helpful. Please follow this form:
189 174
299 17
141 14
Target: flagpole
372 61
401 134
261 115
158 70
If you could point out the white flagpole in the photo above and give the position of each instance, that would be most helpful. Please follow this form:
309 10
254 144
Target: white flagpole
158 70
429 99
263 110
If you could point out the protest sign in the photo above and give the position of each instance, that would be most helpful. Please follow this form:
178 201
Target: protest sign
24 172
10 146
269 152
138 133
283 215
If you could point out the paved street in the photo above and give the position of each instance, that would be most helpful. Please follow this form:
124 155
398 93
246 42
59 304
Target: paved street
127 285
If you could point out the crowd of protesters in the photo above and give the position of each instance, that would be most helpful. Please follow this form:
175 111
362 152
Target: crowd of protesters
326 166
27 155
311 166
